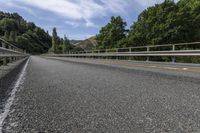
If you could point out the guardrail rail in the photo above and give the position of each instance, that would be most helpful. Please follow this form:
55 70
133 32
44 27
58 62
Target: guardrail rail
165 50
9 52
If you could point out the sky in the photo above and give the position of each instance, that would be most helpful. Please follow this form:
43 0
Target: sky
77 19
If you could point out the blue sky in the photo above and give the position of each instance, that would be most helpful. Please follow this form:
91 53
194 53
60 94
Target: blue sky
78 19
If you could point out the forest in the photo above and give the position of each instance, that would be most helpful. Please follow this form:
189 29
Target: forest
164 23
31 38
23 34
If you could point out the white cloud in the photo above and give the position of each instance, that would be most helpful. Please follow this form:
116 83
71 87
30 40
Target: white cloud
76 10
72 23
81 12
77 23
89 23
15 5
117 6
80 36
147 3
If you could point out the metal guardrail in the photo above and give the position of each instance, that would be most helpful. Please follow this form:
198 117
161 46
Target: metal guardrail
9 52
165 50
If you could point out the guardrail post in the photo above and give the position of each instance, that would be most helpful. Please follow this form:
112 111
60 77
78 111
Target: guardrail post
106 52
117 58
9 51
130 50
98 51
148 49
3 45
5 58
5 61
10 58
173 58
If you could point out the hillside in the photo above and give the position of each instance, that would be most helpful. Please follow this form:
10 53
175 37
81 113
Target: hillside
88 44
25 35
74 42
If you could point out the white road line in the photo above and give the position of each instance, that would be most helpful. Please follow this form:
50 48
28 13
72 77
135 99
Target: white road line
153 66
184 68
172 68
10 100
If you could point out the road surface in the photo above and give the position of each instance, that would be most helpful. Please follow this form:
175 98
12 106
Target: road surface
64 96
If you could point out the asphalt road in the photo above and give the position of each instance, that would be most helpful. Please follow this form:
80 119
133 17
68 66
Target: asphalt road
61 96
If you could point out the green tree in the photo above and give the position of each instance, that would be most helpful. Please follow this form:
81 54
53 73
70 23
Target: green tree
155 25
55 41
66 45
12 37
8 24
24 43
6 35
112 33
167 22
25 35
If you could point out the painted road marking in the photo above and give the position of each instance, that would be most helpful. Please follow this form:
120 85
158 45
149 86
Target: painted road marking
10 100
117 62
183 69
171 68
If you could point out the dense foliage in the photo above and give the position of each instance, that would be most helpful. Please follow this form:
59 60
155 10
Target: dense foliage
23 34
167 22
62 45
29 37
112 33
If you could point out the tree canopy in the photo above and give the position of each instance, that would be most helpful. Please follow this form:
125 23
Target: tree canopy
23 34
168 22
113 32
61 45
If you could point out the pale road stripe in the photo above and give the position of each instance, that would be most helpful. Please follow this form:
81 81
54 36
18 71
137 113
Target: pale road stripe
184 68
172 68
10 100
153 66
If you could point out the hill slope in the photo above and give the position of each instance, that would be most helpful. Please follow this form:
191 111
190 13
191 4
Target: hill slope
74 42
88 44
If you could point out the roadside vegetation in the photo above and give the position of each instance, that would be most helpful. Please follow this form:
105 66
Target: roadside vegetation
62 45
25 35
31 38
164 23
